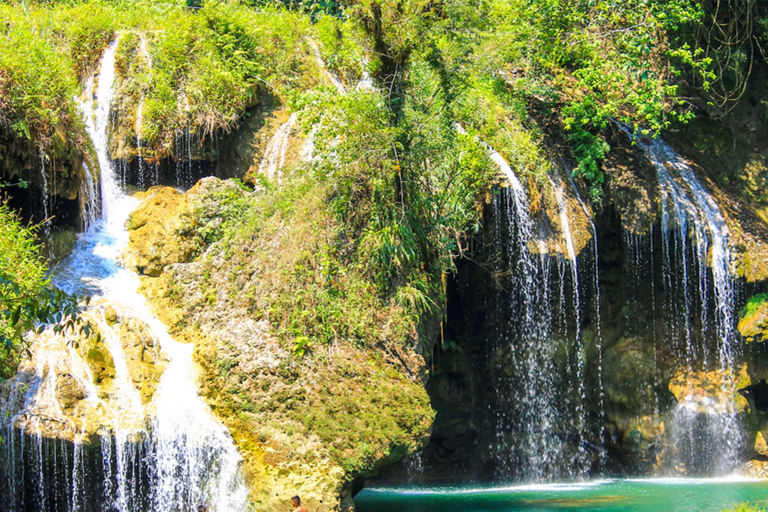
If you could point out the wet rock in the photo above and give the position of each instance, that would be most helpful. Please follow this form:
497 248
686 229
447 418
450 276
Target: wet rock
157 232
754 469
630 373
99 359
110 315
76 383
69 391
560 203
145 361
754 324
761 447
61 243
712 392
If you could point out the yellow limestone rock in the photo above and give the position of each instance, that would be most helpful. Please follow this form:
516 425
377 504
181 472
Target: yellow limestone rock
754 469
710 392
754 326
156 232
761 446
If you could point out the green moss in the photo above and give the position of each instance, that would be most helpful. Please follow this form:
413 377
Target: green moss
370 417
754 303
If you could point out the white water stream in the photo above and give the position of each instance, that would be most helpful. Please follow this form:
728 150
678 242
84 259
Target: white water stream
185 456
274 156
697 272
539 418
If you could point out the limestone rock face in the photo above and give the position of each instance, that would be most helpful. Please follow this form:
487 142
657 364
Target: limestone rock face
630 183
157 232
71 389
761 447
310 424
629 374
170 227
710 392
754 469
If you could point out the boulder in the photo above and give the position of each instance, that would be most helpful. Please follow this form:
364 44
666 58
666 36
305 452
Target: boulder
754 469
157 232
712 392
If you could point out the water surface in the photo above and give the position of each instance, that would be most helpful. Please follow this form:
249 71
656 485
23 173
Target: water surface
656 495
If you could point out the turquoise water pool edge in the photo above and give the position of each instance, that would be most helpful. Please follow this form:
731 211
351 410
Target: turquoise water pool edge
620 495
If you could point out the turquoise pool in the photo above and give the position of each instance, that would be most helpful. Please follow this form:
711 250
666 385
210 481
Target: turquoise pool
651 495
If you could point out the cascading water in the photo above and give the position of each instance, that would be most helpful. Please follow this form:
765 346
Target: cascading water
140 118
274 156
178 458
540 383
45 200
321 64
698 293
90 203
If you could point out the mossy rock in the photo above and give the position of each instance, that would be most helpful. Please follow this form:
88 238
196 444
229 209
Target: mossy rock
753 324
711 391
306 423
629 375
100 360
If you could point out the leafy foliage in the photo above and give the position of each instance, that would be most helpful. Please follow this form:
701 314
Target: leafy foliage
28 301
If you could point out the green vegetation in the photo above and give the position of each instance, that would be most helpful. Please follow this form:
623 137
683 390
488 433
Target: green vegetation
27 299
38 117
399 181
744 507
193 71
198 71
503 69
588 61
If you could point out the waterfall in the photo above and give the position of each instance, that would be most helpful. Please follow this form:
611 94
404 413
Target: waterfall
699 292
45 199
540 381
366 80
121 454
597 321
274 155
90 204
139 155
321 64
140 118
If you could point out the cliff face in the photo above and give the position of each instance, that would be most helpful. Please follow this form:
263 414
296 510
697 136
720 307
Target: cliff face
309 420
632 347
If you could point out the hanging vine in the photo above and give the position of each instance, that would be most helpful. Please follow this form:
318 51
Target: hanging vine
730 36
